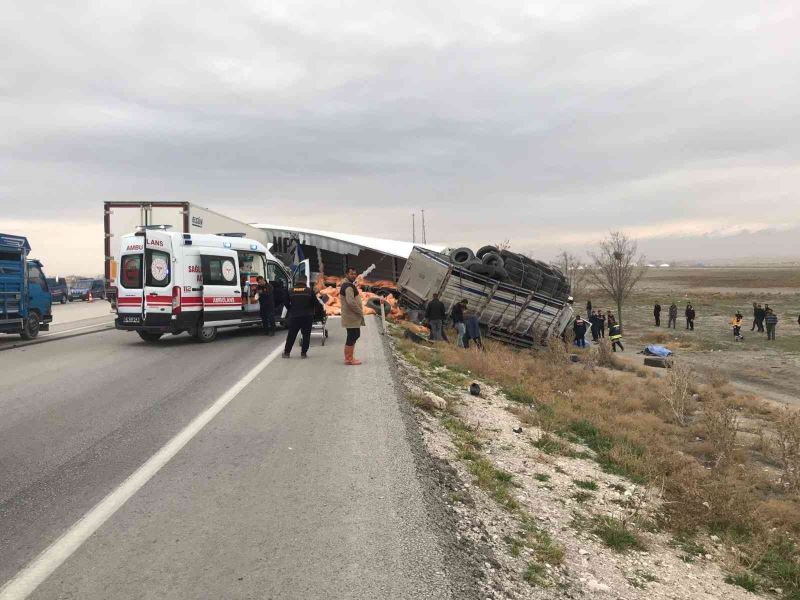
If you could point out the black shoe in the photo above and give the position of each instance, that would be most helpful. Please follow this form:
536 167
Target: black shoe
304 355
285 355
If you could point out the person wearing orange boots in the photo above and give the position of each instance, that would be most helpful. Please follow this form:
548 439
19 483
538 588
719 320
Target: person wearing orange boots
352 315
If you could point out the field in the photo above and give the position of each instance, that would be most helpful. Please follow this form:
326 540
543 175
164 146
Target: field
766 368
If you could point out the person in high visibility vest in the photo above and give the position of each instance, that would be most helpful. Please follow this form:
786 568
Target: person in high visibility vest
615 335
736 323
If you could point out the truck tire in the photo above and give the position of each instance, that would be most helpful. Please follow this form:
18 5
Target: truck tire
63 299
493 259
30 328
485 250
205 335
500 274
460 256
149 336
482 269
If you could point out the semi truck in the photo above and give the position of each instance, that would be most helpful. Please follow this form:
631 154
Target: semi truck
25 302
507 312
121 218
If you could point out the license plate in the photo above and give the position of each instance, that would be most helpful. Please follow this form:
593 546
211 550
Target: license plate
131 319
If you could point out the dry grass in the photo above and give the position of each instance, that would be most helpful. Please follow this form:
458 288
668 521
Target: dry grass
677 393
714 484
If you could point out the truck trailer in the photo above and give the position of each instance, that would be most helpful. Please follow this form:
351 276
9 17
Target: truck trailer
121 218
507 312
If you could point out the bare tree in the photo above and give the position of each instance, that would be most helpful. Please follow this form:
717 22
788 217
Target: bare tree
617 268
575 272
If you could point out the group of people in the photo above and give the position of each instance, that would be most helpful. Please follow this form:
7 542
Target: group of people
764 318
689 312
597 323
463 320
303 307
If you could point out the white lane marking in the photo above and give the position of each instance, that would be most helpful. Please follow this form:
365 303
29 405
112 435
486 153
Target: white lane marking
40 568
76 329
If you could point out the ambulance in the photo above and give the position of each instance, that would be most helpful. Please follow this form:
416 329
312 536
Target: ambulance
173 282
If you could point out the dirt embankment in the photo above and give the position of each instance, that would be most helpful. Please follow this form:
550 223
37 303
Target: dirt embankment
573 511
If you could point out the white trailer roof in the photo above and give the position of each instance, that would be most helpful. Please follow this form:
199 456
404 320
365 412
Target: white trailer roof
344 243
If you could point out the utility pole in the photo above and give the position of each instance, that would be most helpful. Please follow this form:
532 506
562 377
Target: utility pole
413 228
424 237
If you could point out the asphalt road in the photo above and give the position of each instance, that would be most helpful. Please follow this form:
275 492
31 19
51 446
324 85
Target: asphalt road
303 486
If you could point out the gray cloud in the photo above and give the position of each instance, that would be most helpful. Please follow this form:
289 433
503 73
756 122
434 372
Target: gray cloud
545 123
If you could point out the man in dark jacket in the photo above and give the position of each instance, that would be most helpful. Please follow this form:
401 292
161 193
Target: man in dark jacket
579 327
436 314
657 314
755 317
266 305
601 323
673 315
690 316
302 304
771 319
594 325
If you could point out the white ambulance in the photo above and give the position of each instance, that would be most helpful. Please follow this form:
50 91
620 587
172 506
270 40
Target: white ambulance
171 282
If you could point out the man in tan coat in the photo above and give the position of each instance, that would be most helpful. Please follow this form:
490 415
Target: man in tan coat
352 315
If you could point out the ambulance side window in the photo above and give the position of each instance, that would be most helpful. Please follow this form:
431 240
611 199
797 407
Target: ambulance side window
219 270
130 276
158 268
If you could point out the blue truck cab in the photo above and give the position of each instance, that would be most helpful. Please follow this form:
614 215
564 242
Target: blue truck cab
25 302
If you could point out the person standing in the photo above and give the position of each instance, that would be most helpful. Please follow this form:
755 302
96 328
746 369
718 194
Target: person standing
673 316
689 313
579 328
352 315
457 315
302 303
762 313
615 335
436 313
588 307
755 317
266 305
657 314
473 329
771 319
594 324
736 322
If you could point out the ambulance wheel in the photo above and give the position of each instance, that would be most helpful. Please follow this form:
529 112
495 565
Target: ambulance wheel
204 335
149 337
30 328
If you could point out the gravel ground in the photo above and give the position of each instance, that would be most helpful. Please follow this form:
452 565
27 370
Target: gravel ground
547 492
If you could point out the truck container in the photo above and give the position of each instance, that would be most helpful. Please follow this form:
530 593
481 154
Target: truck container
121 218
508 313
25 302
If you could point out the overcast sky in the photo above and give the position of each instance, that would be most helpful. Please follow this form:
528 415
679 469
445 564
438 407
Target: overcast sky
546 123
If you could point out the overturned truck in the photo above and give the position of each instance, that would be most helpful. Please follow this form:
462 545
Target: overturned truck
517 300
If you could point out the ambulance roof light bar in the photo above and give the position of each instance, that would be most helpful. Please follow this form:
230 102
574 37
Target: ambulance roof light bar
153 227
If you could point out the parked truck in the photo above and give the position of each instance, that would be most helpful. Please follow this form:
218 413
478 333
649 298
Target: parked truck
507 312
121 218
25 302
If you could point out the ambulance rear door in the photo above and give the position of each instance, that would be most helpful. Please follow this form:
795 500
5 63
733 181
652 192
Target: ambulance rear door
129 281
158 279
222 294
